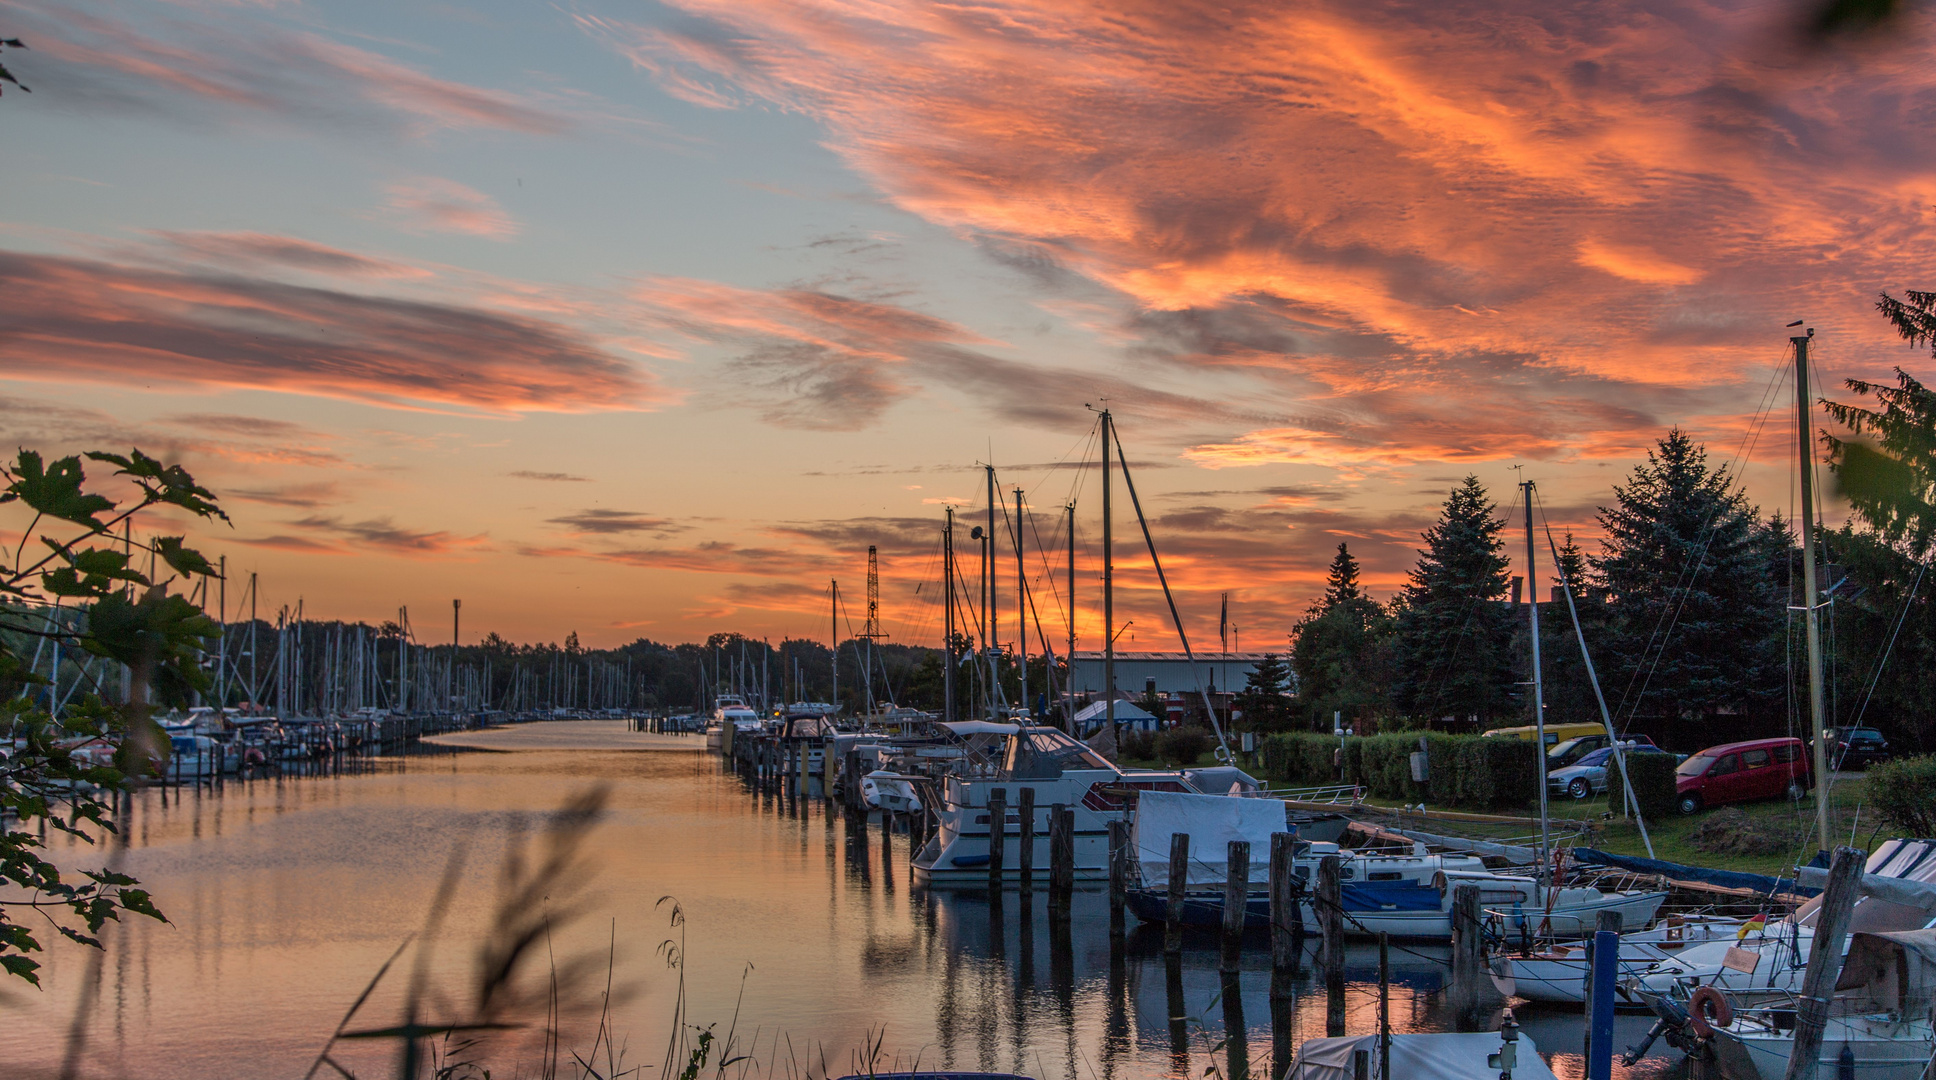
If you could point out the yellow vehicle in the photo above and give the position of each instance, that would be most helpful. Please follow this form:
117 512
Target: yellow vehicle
1554 732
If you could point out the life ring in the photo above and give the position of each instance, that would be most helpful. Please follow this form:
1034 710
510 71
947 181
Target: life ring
1707 1009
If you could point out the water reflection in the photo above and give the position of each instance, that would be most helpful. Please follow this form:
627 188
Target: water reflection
287 894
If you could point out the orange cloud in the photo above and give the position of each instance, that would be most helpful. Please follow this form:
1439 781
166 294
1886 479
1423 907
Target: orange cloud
72 319
431 204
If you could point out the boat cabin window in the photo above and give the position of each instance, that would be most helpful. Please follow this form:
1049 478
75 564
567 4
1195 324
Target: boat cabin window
1057 747
1384 875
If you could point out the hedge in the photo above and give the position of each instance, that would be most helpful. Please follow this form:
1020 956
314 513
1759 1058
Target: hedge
1653 784
1465 770
1903 793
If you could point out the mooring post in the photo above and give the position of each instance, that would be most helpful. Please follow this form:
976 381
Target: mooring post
1236 894
1471 986
1025 846
1062 859
1284 919
1119 854
1603 970
1384 1005
1330 912
997 834
1824 961
1173 912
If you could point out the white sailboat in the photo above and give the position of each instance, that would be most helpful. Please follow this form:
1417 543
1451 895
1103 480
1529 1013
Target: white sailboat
1879 1029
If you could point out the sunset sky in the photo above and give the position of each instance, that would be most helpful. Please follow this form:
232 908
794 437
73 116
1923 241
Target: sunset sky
645 319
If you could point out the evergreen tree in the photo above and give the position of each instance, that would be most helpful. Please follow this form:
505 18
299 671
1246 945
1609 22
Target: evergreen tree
1338 649
1453 632
1695 588
1262 698
1569 693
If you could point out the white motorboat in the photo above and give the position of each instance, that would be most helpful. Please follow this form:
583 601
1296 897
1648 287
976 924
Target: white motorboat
1878 1027
1061 771
1558 972
883 790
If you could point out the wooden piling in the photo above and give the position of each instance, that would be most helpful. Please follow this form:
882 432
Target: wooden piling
1179 875
1471 985
1236 895
1330 913
1062 859
1119 856
1285 921
1824 961
997 834
1384 1006
1025 848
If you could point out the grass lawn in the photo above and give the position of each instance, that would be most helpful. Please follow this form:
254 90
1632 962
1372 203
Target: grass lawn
1794 822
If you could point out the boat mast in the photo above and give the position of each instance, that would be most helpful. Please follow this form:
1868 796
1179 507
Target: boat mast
1811 610
1069 706
1021 603
1108 599
989 579
948 618
1539 689
833 638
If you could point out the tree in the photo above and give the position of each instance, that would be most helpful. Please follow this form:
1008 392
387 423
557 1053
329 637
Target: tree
1569 693
5 75
63 774
1453 633
1338 648
1695 588
1262 698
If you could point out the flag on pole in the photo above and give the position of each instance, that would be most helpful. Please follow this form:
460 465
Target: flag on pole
1223 623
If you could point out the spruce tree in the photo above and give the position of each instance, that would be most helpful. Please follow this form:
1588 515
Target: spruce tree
1695 587
1262 698
1339 648
1453 628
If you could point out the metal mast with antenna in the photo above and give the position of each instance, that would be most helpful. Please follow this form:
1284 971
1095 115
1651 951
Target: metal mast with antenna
989 579
1108 598
1021 603
948 618
833 640
1539 689
1811 608
1069 707
872 629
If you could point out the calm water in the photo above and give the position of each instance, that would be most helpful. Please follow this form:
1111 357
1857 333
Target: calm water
287 896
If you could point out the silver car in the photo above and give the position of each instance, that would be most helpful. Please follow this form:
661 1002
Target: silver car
1587 777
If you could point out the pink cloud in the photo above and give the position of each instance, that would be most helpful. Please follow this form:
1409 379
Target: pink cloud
431 204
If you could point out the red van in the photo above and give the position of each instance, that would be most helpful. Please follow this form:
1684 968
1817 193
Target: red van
1738 772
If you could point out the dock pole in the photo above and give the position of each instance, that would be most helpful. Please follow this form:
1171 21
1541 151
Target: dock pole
1062 860
1173 912
997 835
1236 895
1025 849
1119 854
1284 920
1330 912
1824 962
1384 1006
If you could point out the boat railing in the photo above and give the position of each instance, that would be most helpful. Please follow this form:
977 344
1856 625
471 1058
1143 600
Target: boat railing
1330 795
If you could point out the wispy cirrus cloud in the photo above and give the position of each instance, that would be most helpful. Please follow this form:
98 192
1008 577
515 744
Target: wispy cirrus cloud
71 319
603 522
202 68
433 204
549 477
254 251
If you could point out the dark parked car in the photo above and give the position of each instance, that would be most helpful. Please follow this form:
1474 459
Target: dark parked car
1855 747
1572 750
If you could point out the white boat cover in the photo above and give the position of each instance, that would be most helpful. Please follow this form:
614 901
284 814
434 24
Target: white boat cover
1419 1056
1890 972
1212 822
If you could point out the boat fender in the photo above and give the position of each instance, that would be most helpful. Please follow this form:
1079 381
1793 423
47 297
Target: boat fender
1707 1009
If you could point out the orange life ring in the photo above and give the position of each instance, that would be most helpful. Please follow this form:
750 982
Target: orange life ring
1707 1009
